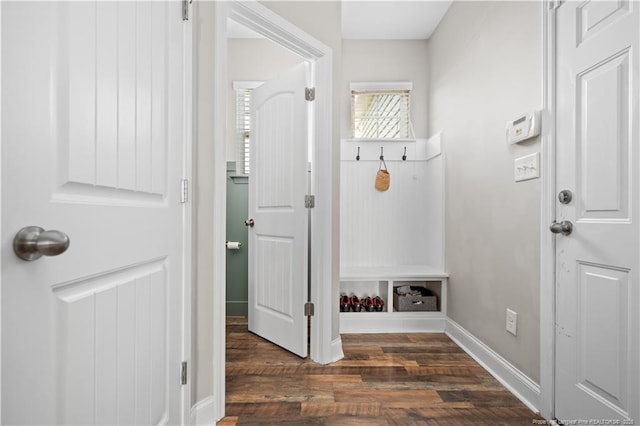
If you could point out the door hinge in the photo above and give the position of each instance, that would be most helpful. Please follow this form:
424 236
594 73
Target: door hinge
184 194
185 9
310 93
554 4
183 373
308 309
309 201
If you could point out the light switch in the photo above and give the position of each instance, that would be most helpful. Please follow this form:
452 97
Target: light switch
527 167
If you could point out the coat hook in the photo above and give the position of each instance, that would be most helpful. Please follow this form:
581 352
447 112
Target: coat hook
382 153
358 155
404 156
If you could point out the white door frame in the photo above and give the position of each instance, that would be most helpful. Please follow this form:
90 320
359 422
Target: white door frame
548 212
267 23
187 218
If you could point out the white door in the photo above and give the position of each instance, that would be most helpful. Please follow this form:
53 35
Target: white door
92 145
277 188
597 293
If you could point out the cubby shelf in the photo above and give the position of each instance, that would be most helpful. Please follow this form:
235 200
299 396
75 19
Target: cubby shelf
381 281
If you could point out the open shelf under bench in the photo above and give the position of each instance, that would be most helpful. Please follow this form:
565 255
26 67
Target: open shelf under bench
380 281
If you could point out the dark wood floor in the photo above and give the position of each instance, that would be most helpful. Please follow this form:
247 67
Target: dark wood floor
384 379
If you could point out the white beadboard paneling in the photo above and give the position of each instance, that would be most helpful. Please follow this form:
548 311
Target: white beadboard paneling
143 97
75 328
126 96
81 96
106 357
402 226
106 94
159 108
276 290
126 352
159 326
114 136
143 350
114 329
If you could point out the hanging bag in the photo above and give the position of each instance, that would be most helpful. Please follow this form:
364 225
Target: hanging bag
383 179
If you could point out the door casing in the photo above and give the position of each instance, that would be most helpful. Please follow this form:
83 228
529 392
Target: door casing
267 23
547 212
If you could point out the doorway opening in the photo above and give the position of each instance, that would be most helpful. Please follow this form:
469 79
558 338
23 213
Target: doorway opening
261 20
269 150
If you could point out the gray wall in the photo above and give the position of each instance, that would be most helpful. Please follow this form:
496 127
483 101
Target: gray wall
386 60
237 260
203 15
484 68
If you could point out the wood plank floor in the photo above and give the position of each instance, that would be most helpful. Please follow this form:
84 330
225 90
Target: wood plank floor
384 379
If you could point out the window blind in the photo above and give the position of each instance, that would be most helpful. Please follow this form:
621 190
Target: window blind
381 114
243 129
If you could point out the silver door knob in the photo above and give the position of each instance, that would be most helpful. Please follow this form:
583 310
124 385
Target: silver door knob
565 227
32 242
249 223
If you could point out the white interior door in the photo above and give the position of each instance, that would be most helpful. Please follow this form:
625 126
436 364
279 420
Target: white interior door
597 322
92 145
277 188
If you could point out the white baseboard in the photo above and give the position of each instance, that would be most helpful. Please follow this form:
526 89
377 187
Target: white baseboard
525 389
336 350
202 413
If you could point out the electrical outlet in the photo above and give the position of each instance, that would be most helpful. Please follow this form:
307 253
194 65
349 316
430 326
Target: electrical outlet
527 167
512 322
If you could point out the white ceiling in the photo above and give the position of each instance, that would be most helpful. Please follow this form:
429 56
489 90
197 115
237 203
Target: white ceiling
379 20
391 20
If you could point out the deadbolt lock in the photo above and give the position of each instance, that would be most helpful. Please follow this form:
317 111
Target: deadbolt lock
565 196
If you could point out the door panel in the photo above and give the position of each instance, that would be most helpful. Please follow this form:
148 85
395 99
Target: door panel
277 187
112 90
92 132
602 138
597 293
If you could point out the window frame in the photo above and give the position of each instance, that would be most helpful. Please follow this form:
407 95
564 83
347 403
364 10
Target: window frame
380 87
242 140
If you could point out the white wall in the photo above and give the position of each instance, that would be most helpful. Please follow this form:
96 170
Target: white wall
252 60
484 68
386 60
203 14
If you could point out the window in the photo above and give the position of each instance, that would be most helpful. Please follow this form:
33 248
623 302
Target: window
243 123
381 111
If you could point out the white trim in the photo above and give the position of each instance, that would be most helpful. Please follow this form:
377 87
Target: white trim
396 322
202 413
187 226
547 214
244 85
1 233
336 350
218 164
264 21
525 389
380 85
